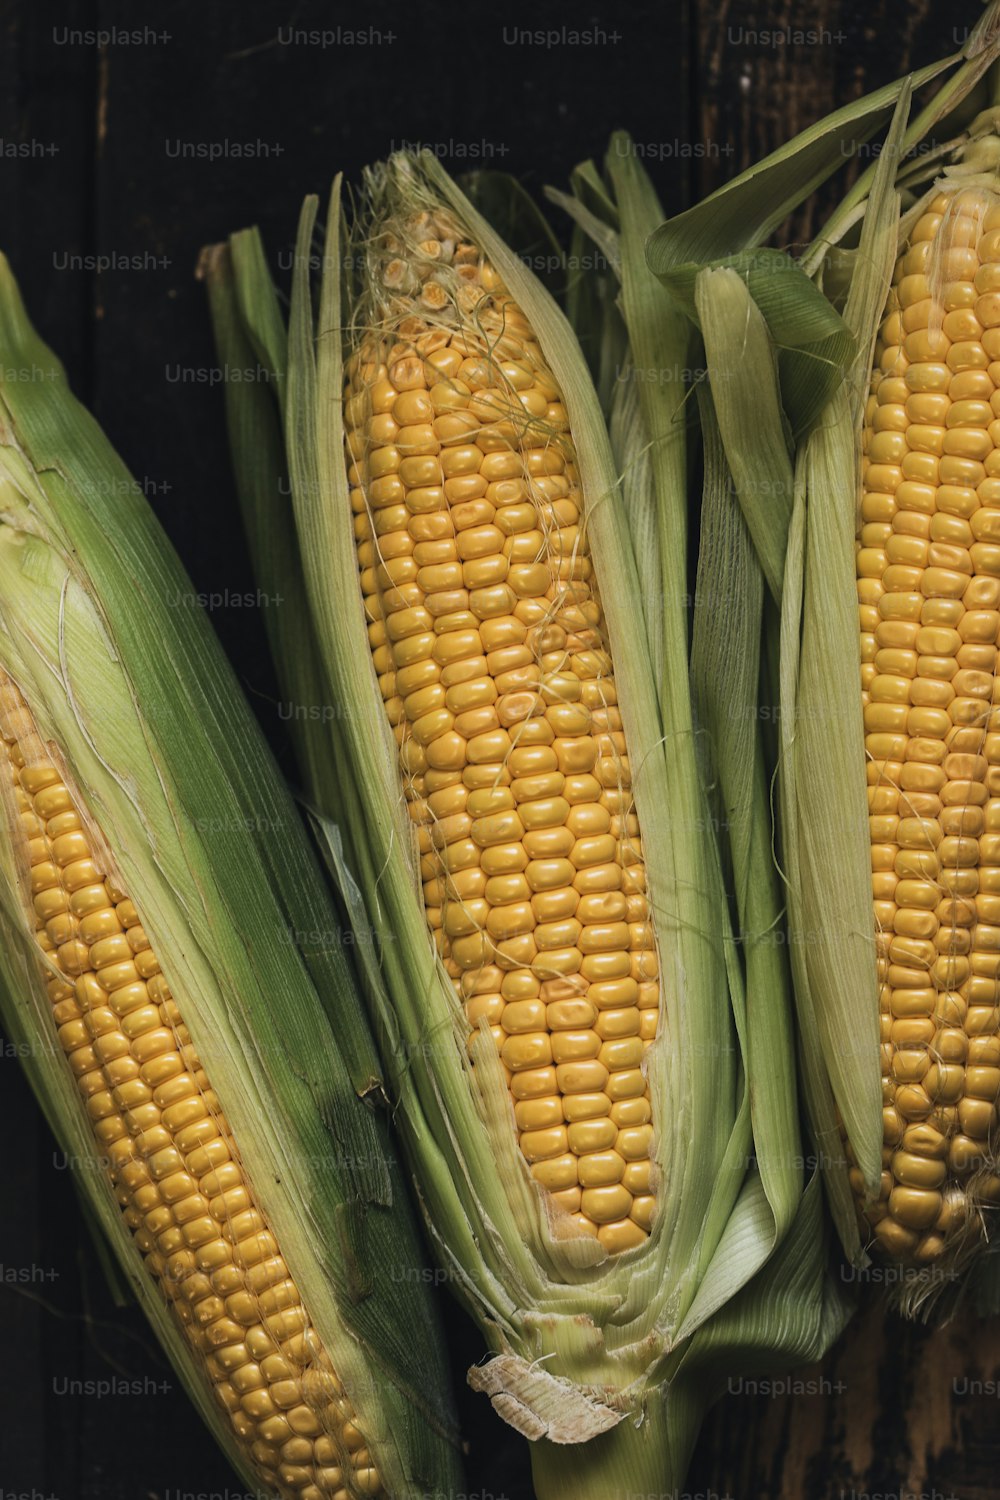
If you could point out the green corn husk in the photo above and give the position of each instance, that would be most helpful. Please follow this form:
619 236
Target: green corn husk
795 474
606 1364
102 635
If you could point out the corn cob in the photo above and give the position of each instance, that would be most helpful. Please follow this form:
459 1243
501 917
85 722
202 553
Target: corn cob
489 642
169 1153
445 331
166 957
928 567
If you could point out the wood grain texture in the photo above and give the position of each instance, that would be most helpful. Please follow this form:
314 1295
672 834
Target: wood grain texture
767 71
47 119
896 1410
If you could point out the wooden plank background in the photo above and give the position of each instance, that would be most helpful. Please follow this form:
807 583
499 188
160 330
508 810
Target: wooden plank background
100 171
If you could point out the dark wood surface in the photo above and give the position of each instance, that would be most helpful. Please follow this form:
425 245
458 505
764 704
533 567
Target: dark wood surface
102 127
